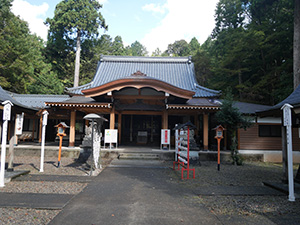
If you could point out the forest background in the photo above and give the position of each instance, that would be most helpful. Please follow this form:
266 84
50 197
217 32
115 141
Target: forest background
250 50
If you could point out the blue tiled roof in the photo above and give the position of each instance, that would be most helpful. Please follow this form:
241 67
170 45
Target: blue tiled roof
4 95
177 71
38 101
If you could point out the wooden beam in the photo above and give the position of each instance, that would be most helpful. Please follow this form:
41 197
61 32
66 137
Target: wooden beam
155 97
158 85
159 113
205 131
112 118
72 129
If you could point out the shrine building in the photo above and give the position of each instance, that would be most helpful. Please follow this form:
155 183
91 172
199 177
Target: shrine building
139 96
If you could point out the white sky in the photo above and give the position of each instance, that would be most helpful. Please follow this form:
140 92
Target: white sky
154 23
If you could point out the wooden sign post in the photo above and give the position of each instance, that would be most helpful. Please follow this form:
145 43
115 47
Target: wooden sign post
6 117
219 136
61 132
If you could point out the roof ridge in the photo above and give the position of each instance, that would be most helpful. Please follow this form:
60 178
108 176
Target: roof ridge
109 58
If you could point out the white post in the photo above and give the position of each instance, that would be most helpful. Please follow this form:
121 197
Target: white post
287 121
45 119
6 117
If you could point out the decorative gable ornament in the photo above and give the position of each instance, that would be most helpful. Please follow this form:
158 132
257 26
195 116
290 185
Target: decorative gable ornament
139 74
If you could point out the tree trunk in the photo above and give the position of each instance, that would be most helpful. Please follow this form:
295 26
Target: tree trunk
77 60
297 44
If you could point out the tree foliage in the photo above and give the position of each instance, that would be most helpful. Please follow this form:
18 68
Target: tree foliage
74 22
22 62
232 119
251 49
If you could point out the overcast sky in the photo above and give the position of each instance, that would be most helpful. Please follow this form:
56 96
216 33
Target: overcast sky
154 23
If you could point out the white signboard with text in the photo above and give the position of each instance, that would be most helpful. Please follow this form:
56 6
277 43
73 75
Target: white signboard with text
19 123
110 136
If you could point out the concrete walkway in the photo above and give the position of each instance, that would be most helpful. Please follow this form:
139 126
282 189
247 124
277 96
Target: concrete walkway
124 194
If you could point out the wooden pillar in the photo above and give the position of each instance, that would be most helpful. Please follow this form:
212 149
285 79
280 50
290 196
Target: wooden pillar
72 129
238 139
40 130
112 118
119 126
165 119
205 131
33 128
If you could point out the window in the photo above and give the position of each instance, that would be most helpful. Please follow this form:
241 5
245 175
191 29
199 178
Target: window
269 131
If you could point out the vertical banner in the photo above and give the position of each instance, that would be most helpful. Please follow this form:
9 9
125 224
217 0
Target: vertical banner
19 123
165 137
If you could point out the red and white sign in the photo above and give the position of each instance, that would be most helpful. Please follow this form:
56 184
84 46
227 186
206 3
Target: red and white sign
165 136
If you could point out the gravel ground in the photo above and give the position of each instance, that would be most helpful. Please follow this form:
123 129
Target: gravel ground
26 216
237 209
36 216
265 209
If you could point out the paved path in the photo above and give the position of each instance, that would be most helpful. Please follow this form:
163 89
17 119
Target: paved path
124 194
34 200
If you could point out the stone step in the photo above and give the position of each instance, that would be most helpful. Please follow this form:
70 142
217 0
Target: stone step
141 156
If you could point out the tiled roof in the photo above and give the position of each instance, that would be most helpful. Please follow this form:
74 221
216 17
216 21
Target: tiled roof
293 99
177 71
4 95
38 101
250 108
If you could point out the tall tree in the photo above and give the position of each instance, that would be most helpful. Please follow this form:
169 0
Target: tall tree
118 46
79 20
296 44
22 62
137 49
230 117
179 48
194 46
251 49
156 52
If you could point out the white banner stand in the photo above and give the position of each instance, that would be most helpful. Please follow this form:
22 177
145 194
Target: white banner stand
6 117
45 119
287 122
165 138
111 137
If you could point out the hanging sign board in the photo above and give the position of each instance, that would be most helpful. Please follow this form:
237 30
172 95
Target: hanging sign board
6 111
165 136
19 123
111 136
